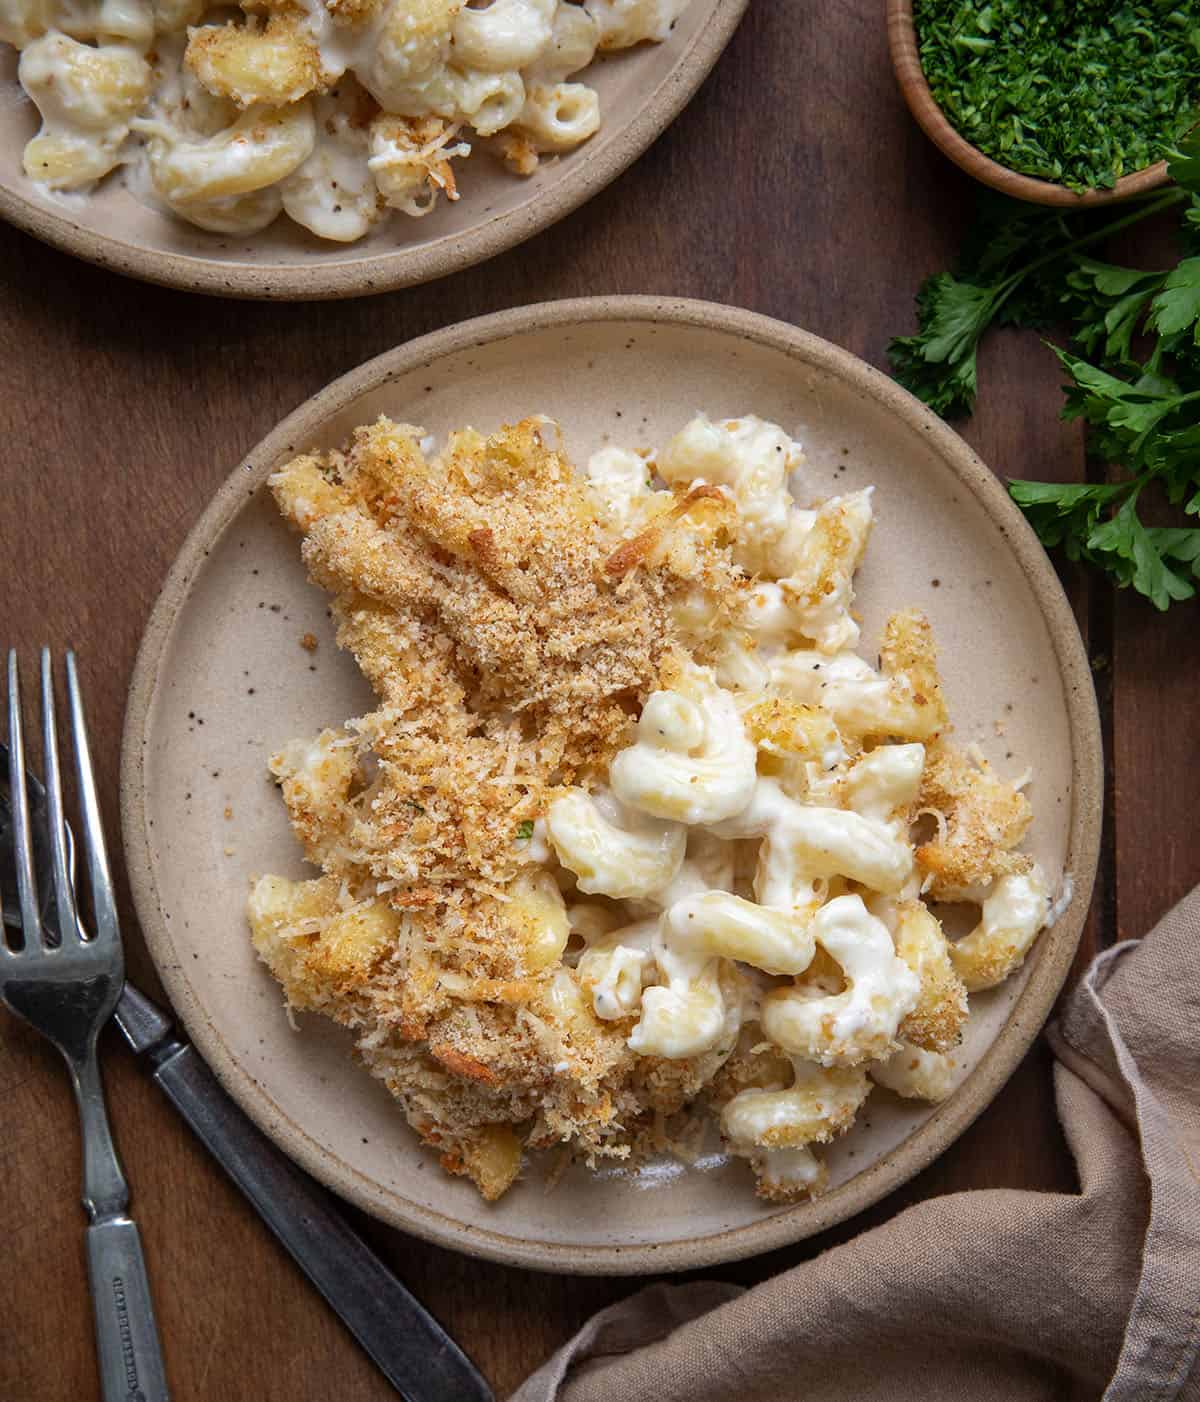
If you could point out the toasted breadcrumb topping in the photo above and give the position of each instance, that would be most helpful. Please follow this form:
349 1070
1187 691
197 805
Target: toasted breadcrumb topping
478 593
981 819
513 629
475 594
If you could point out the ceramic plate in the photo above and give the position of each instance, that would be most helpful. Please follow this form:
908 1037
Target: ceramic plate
222 681
641 91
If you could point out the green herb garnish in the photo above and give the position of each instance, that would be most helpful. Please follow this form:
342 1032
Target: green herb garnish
1151 425
1011 273
1079 92
1136 383
525 830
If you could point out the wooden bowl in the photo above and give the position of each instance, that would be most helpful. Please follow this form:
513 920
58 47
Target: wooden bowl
222 679
906 60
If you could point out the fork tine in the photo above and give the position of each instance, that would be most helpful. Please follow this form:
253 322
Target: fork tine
103 901
19 799
64 894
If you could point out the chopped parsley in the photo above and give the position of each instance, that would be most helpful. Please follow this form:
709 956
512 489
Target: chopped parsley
1079 92
525 830
1135 379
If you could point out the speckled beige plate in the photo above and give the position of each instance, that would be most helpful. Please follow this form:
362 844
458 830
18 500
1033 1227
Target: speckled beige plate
222 680
641 91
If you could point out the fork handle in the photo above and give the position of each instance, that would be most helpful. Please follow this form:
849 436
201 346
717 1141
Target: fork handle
412 1349
131 1366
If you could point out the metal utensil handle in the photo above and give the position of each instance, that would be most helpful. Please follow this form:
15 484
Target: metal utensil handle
130 1357
412 1350
131 1366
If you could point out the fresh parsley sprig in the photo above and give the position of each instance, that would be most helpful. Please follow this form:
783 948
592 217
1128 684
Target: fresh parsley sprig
1012 287
1030 267
1150 426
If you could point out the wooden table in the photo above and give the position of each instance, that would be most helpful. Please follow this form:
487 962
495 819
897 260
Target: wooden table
794 184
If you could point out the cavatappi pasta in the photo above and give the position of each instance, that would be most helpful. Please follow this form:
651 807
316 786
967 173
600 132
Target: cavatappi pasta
334 112
631 837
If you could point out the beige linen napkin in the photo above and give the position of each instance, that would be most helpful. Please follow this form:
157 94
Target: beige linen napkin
996 1294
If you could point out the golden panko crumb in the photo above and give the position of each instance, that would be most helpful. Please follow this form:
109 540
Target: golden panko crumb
511 644
981 818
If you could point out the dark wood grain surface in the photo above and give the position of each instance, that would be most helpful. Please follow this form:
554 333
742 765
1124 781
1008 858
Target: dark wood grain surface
795 184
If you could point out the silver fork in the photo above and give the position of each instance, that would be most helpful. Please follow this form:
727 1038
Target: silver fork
67 990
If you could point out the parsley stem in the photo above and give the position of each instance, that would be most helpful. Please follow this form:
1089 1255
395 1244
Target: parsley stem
1008 286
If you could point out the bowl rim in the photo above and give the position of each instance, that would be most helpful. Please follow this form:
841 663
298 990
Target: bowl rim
910 75
1052 959
344 275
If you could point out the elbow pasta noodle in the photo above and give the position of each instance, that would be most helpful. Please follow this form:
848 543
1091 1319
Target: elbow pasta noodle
237 214
609 858
506 37
624 22
860 1023
692 761
333 192
353 108
775 1129
538 912
685 1015
718 924
1014 911
725 913
936 1020
615 973
409 162
262 147
87 96
574 38
914 1073
276 65
559 118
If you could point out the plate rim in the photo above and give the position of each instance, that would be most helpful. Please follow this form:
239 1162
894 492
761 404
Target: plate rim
1056 949
345 276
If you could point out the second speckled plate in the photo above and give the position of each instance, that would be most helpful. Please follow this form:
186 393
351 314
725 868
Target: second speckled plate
222 680
641 91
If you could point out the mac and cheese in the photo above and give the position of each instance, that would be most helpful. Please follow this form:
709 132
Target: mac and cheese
335 112
634 835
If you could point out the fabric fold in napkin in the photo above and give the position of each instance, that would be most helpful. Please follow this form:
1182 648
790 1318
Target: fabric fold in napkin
999 1294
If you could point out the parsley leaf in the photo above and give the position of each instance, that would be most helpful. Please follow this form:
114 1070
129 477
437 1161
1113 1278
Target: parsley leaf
938 364
1029 267
1159 562
1134 556
1183 163
1064 513
1177 307
1099 522
1106 304
524 830
1012 273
